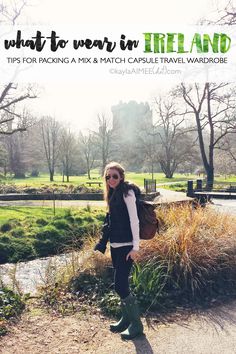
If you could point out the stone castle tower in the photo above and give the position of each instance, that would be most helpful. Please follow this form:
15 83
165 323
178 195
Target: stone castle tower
129 118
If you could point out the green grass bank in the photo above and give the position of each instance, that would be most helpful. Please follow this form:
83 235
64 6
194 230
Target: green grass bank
28 233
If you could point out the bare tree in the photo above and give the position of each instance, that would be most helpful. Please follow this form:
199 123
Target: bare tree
13 118
228 145
12 95
67 152
22 152
147 146
225 13
34 152
224 164
213 107
104 140
175 146
10 11
3 158
50 132
87 148
15 146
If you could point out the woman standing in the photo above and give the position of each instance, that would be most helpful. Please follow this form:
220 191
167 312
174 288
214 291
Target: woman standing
124 241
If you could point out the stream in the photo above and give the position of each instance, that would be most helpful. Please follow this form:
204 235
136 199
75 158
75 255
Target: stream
31 274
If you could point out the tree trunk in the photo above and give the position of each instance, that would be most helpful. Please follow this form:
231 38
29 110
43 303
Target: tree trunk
169 175
166 169
152 171
210 178
89 176
51 176
210 170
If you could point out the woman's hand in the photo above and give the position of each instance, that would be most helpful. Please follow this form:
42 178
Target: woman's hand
132 254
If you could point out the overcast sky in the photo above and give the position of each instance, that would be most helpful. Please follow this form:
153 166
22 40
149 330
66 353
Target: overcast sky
79 103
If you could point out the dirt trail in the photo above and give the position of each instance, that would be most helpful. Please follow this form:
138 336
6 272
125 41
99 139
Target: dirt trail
213 333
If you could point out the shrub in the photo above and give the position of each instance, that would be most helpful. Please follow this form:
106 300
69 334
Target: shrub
70 219
32 231
89 219
6 251
14 222
22 250
48 241
41 222
198 251
79 220
110 304
69 216
88 208
45 248
5 239
93 287
18 232
61 224
100 217
148 281
49 232
86 282
6 227
11 305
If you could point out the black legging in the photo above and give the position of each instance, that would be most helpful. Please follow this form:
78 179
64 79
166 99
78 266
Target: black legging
122 269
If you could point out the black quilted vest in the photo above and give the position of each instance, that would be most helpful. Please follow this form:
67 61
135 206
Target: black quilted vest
120 229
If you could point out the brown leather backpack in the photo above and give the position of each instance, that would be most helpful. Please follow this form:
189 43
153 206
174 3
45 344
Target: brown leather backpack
148 221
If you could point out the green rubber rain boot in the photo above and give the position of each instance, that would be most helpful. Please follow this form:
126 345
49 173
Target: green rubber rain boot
136 327
123 323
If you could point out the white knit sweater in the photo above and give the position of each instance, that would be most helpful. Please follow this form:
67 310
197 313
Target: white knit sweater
130 201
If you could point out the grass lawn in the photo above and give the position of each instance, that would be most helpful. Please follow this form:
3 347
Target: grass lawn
226 179
20 213
137 178
44 179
